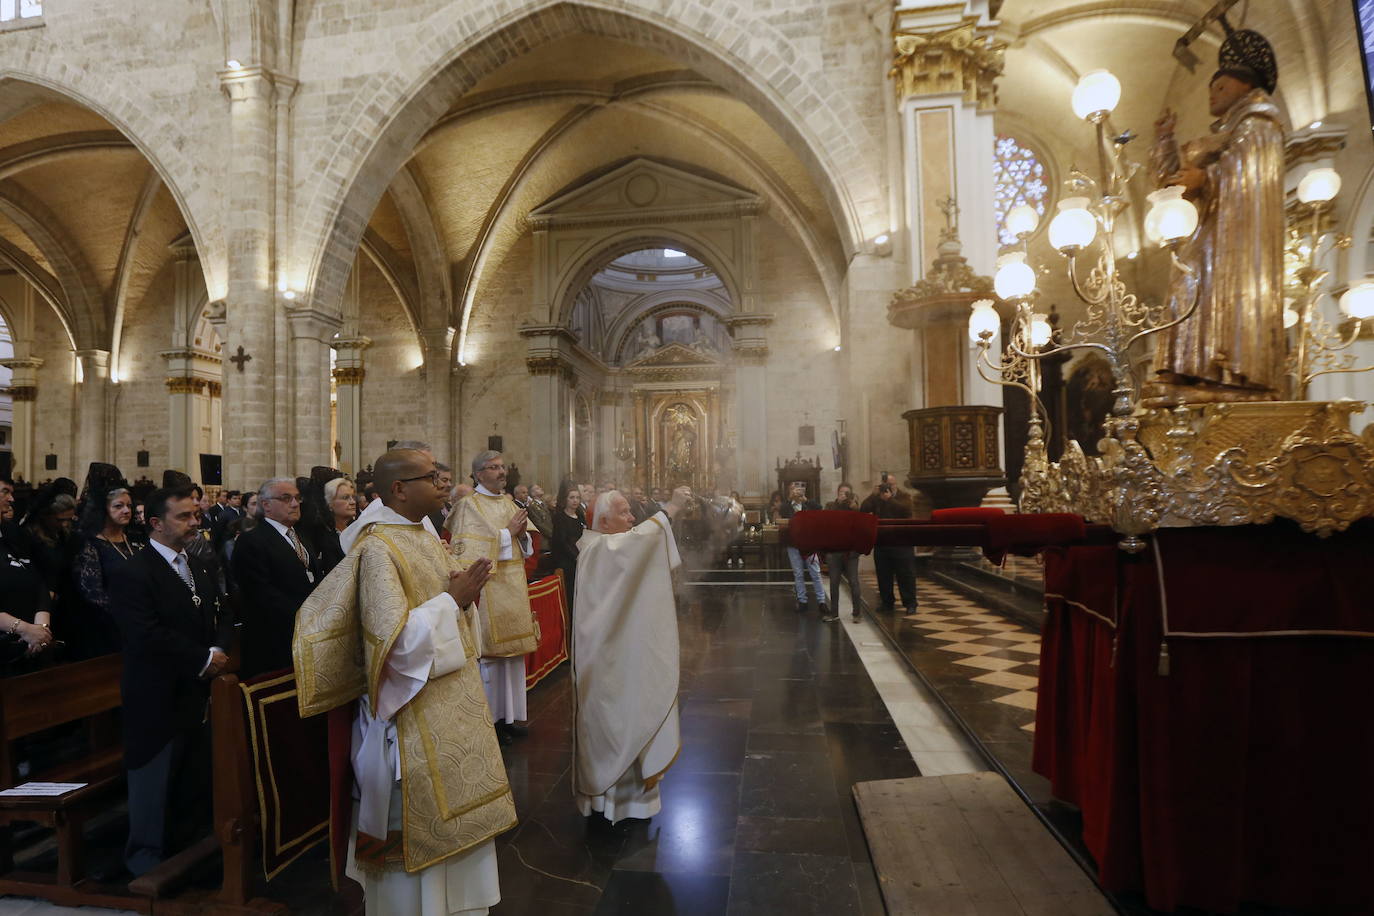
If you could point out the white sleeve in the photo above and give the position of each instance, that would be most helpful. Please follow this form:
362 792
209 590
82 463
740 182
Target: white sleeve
429 646
505 553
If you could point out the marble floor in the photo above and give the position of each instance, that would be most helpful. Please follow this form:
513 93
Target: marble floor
781 715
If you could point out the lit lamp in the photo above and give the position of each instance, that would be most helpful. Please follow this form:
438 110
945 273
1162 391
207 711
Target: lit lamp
1171 218
1290 315
1015 279
1319 186
1040 329
983 319
1096 95
1022 220
1358 301
1074 227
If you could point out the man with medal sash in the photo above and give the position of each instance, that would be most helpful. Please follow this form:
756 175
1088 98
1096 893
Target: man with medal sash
389 635
488 525
175 633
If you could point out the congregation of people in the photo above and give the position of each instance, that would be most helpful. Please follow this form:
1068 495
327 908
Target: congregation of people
435 574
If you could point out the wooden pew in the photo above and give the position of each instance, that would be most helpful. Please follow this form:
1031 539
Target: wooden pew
32 703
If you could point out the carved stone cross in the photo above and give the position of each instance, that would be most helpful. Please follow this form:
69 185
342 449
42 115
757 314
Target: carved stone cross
238 359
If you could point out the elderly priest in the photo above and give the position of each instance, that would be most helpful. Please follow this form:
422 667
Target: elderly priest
489 525
625 659
393 628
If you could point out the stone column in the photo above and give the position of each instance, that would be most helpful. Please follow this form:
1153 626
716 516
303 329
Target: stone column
437 350
91 413
23 391
751 383
250 416
181 411
608 438
311 333
349 373
552 380
945 66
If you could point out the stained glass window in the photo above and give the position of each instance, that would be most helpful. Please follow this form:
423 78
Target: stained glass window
1020 179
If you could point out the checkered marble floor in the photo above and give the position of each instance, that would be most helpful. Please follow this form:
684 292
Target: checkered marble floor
983 656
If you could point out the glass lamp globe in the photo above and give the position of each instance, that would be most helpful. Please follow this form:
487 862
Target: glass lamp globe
1074 226
983 317
1290 317
1040 329
1022 220
1171 217
1358 301
1096 94
1014 278
1319 186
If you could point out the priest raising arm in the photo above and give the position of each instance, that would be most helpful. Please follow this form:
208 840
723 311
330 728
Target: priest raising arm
393 627
625 659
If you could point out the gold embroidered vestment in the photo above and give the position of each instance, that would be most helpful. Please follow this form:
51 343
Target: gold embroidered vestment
507 622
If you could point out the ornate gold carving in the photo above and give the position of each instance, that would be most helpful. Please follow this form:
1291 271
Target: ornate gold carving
1318 147
20 393
185 384
551 365
214 389
953 60
350 375
1213 464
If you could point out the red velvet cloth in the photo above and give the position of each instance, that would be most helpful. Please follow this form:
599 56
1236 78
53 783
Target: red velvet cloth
967 515
549 602
819 531
1241 775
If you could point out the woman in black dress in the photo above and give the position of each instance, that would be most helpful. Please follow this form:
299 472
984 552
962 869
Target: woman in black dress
106 542
568 525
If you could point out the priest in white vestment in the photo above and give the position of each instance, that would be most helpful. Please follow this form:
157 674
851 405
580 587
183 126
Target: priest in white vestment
625 659
431 787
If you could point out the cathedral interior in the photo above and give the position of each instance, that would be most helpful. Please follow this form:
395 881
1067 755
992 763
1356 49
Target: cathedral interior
648 244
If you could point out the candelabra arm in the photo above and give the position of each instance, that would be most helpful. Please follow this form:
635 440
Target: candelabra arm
1353 370
1059 348
1036 403
1079 289
1187 313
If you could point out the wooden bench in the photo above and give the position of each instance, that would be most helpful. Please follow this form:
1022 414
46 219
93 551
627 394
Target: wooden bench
32 703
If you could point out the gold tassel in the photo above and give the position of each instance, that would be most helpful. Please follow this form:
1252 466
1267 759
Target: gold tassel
1164 659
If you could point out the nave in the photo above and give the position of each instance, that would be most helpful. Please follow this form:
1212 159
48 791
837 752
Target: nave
781 715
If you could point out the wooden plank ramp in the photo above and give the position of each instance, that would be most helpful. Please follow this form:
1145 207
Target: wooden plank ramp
967 845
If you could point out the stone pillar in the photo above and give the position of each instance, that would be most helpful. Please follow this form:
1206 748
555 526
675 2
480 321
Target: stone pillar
311 333
91 413
23 392
751 383
349 373
552 380
437 350
181 411
250 415
945 66
608 438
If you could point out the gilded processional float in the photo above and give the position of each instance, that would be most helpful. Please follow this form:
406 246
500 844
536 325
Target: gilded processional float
1221 432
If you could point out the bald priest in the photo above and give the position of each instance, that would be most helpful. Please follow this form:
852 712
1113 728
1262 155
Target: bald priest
625 659
392 632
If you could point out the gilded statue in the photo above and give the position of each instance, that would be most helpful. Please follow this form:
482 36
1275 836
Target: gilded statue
1233 347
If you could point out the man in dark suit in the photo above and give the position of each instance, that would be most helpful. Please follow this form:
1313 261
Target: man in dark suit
275 572
797 501
175 638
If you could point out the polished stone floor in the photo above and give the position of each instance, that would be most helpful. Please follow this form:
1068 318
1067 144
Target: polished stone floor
780 718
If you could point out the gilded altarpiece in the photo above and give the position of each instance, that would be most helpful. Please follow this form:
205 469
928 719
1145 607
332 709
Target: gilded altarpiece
678 418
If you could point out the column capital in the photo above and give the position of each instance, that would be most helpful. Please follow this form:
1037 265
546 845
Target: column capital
22 363
351 343
243 84
939 59
313 324
349 375
437 339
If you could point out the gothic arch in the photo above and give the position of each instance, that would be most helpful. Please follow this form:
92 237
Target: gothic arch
112 100
826 133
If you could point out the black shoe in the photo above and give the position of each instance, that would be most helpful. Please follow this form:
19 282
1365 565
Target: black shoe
803 607
503 736
515 731
827 617
856 618
911 609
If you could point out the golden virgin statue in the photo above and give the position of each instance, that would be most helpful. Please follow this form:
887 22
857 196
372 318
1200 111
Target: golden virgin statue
1233 347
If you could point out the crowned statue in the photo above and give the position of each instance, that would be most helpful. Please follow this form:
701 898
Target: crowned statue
1233 347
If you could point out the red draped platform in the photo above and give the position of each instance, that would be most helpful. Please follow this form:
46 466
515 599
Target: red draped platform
549 602
1204 705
